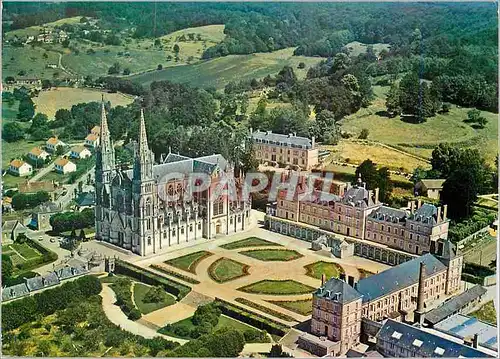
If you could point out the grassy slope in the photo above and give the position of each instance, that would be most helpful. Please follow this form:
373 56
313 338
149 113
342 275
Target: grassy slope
189 261
302 307
29 59
140 291
220 71
440 128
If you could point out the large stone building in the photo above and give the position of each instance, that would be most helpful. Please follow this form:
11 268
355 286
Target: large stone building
401 293
290 150
133 210
356 212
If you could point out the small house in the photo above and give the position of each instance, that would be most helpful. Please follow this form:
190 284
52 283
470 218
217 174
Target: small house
63 165
80 152
20 168
53 143
91 140
37 154
430 188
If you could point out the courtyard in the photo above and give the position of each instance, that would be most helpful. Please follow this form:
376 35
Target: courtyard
265 272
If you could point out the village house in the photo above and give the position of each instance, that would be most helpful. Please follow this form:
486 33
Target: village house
96 131
20 168
28 187
63 165
10 230
80 152
429 188
37 154
91 140
40 216
289 150
53 143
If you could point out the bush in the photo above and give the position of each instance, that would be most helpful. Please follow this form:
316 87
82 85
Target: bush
155 294
134 314
23 201
208 313
69 221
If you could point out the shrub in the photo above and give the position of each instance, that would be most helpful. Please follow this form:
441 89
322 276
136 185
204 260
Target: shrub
208 313
155 294
134 314
174 274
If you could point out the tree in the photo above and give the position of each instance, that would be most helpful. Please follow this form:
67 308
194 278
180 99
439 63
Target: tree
7 268
10 79
12 132
392 100
46 84
474 116
445 107
341 61
384 184
39 129
364 134
367 171
416 98
126 71
114 69
445 158
324 127
286 75
26 109
176 49
301 65
159 67
61 118
277 352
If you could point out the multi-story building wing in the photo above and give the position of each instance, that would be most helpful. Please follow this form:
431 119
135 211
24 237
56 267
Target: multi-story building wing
145 210
291 150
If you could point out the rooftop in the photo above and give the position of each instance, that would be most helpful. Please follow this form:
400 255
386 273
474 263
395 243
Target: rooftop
398 277
454 304
290 140
79 149
424 343
427 213
433 183
388 214
338 290
62 162
53 141
36 186
463 326
37 151
17 163
91 137
358 196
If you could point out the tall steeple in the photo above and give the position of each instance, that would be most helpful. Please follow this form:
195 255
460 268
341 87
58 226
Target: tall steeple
144 157
105 164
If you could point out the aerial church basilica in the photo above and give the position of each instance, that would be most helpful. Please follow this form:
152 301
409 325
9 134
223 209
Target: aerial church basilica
145 210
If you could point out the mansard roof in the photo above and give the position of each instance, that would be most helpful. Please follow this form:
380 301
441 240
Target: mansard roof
357 196
290 140
14 292
338 290
427 213
388 214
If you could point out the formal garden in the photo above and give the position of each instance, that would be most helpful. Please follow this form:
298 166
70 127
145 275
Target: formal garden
225 269
302 307
189 262
329 269
277 287
249 242
283 255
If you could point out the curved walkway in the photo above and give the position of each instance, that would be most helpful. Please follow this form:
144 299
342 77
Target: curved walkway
117 317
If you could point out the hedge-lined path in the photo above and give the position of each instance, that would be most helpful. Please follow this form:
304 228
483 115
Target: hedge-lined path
117 317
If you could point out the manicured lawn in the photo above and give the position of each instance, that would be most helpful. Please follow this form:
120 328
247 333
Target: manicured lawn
303 307
224 270
486 313
277 287
283 255
265 309
189 261
140 291
330 269
249 242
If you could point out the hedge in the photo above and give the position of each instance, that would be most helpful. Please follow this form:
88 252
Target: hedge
265 309
28 309
477 270
250 318
472 278
47 256
123 292
174 274
146 276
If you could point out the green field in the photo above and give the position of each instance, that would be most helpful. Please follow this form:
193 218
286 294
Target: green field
20 253
249 242
423 137
302 307
277 287
486 313
357 48
31 60
224 270
189 261
330 270
220 71
283 255
140 291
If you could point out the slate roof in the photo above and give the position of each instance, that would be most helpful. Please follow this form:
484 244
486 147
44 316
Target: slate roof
433 183
398 277
424 343
85 199
47 207
50 279
454 304
338 290
427 213
357 196
14 292
69 272
8 226
282 140
462 327
388 214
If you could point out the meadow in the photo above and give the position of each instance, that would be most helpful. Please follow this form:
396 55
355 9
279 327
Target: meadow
421 138
220 71
29 62
48 102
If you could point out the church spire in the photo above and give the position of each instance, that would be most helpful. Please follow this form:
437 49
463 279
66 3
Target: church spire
143 138
105 150
104 121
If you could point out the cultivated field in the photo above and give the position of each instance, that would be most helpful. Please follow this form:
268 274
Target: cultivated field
423 137
220 71
48 102
356 48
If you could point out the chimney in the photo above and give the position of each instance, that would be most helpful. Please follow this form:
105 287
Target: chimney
475 341
323 279
445 211
290 135
419 203
412 207
419 313
313 141
376 195
370 194
251 130
439 214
